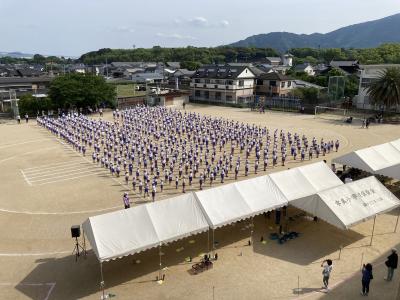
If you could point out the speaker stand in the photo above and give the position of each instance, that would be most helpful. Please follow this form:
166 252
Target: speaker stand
78 250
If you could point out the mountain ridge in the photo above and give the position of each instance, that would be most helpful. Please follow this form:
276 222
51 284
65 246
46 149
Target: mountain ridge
368 34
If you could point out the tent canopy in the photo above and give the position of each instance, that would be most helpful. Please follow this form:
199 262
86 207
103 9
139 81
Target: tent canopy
121 233
223 205
240 200
352 203
305 181
261 194
383 159
142 227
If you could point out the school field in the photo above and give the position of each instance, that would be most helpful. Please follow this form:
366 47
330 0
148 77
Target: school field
45 187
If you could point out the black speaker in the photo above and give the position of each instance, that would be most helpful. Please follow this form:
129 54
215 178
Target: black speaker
75 231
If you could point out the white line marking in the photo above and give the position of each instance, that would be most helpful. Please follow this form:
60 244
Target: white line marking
65 179
50 284
126 187
61 174
50 169
60 213
22 143
33 254
26 179
26 153
53 165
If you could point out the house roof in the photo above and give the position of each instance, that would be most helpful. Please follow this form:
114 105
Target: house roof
184 72
344 63
221 71
305 84
174 64
275 76
302 67
274 59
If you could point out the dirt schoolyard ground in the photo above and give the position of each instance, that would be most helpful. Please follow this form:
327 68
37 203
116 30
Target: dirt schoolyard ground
46 187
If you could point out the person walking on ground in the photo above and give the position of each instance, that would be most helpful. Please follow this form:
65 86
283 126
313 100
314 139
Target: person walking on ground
26 118
366 279
391 264
19 119
126 201
326 272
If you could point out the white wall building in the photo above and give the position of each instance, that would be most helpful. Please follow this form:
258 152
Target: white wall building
367 75
223 83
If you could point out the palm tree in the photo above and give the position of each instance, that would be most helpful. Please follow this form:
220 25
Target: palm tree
386 90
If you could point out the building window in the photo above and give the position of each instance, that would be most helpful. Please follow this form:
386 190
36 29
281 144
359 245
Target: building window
218 96
197 93
289 84
282 84
228 98
241 82
216 86
217 81
272 83
229 82
207 81
206 94
197 80
259 82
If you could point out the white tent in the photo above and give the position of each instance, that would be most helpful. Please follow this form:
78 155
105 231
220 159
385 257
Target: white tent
299 185
177 218
142 227
261 194
223 205
230 203
383 159
352 203
121 233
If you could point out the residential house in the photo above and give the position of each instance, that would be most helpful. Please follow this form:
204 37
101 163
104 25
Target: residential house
223 83
296 83
181 77
305 68
274 85
368 74
173 65
273 61
348 66
148 78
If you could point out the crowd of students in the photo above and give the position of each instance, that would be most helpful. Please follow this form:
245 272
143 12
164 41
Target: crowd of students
152 147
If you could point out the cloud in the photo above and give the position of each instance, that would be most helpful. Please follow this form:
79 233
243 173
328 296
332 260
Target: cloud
201 22
224 23
123 29
175 36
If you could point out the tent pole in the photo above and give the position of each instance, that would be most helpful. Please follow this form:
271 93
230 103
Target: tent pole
159 271
397 222
373 230
84 242
208 241
102 281
251 230
213 243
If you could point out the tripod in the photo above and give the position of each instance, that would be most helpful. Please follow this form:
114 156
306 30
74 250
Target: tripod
78 249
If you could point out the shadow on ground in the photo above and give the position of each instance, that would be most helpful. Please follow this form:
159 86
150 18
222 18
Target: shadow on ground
81 279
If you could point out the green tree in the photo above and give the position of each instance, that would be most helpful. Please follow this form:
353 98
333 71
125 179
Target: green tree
386 90
32 106
81 91
39 59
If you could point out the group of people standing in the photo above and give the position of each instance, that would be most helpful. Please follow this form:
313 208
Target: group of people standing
152 147
366 272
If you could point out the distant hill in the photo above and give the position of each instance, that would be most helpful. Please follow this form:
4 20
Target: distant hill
364 35
16 54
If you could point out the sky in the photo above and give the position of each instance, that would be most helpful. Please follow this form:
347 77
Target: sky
74 27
